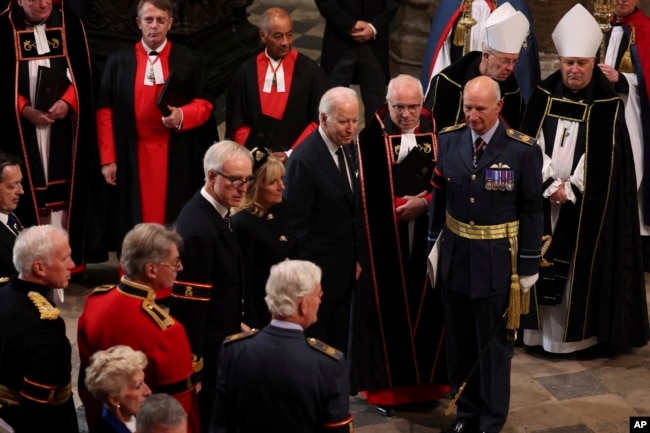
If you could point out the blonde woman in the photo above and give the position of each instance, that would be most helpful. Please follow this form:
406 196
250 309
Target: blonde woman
264 232
115 377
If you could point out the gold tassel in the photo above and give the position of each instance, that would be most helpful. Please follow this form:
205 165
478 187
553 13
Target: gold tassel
459 35
525 302
626 64
514 305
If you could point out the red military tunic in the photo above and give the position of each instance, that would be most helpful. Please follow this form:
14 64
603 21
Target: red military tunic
127 314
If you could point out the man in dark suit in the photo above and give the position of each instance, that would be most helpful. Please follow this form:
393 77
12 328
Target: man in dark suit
275 379
10 191
355 46
321 185
207 296
487 210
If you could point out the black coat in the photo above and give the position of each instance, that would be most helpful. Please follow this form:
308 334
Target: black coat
264 241
7 241
341 15
323 211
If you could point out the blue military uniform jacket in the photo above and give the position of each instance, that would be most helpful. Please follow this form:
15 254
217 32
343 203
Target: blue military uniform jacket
278 380
511 165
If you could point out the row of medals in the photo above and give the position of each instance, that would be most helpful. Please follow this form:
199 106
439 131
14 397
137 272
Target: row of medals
499 178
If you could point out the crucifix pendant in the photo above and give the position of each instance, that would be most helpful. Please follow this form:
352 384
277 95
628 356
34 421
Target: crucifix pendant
151 76
275 80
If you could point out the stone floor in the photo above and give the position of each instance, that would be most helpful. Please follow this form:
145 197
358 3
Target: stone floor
549 395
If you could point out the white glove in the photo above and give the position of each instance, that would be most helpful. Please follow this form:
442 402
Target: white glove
526 282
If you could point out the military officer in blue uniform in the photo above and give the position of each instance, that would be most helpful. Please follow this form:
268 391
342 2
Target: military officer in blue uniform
486 214
276 379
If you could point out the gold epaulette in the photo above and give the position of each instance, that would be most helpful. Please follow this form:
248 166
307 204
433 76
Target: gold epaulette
452 128
102 289
240 335
520 136
325 348
159 315
4 280
47 310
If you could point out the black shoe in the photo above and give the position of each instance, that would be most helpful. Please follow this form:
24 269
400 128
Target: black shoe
385 410
463 425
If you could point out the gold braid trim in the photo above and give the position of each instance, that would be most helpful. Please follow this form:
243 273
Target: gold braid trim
510 231
47 310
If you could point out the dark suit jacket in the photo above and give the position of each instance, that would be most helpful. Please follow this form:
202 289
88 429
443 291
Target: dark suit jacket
207 296
275 380
322 209
341 16
7 240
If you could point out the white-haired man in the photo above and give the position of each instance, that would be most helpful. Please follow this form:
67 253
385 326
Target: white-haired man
207 297
34 350
276 378
321 194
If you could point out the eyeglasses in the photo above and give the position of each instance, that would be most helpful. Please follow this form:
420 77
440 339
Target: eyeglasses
236 181
158 20
413 108
177 265
503 60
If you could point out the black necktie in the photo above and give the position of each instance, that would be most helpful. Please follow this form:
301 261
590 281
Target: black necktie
226 218
477 150
153 53
343 166
14 224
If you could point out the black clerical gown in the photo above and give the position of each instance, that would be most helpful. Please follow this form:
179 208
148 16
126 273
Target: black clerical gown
445 95
186 147
398 321
72 153
599 235
308 84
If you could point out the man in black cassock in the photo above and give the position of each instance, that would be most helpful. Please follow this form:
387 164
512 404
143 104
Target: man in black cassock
399 320
291 87
56 142
590 205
